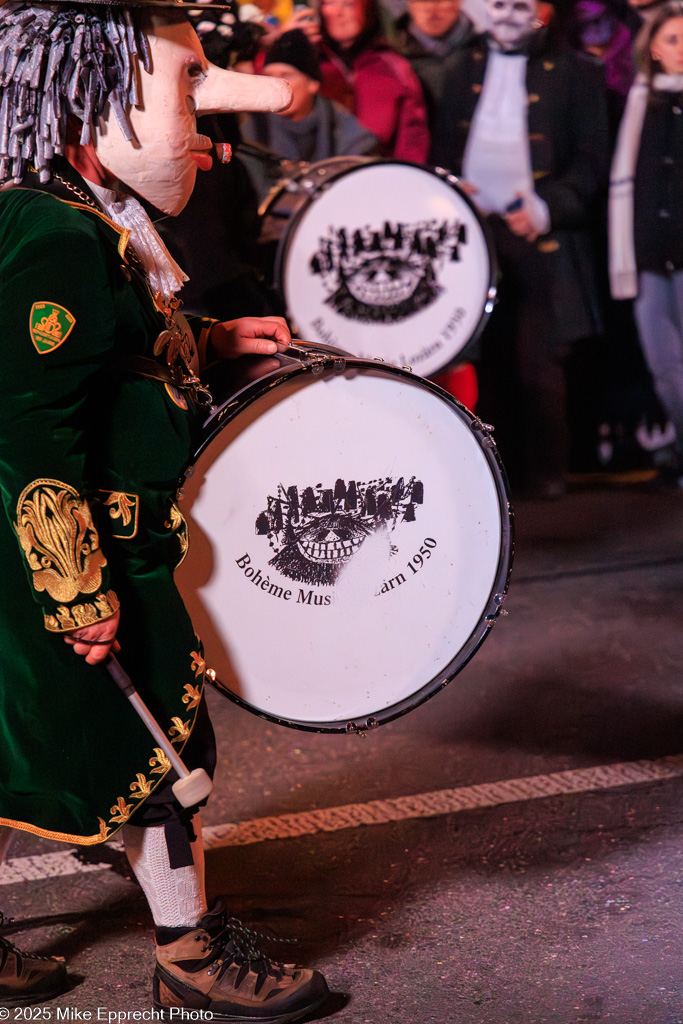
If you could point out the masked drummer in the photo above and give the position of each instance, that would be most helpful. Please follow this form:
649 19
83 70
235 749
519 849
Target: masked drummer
100 412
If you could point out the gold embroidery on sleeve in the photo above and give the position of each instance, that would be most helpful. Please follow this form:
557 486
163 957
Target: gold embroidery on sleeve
78 615
59 540
198 664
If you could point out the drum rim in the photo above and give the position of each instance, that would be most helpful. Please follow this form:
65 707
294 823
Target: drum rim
444 175
250 393
281 187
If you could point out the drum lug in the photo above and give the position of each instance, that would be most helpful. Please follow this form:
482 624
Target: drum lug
408 368
318 362
487 430
361 728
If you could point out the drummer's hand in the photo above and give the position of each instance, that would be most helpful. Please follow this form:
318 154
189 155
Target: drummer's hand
520 222
250 335
102 632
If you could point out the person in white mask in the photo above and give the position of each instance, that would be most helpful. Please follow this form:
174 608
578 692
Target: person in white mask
100 414
524 124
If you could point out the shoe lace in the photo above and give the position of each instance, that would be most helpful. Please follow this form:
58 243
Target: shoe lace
238 944
7 947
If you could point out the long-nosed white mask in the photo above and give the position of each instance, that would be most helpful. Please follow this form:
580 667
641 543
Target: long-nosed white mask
511 21
160 163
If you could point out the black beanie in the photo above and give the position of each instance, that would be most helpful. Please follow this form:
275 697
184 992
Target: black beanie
295 49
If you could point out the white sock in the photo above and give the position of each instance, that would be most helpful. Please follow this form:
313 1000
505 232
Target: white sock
6 836
176 896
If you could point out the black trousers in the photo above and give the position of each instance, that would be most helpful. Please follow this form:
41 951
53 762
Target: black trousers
521 372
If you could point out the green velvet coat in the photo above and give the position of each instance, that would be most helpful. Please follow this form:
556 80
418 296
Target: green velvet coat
90 458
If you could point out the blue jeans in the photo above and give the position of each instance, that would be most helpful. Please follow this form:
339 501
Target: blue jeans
659 315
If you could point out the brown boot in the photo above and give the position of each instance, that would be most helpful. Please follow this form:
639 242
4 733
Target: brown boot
26 978
206 970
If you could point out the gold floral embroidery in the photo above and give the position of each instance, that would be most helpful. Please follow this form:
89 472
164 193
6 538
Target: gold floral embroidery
120 812
161 762
140 789
176 522
124 508
181 728
122 504
198 663
192 696
60 542
175 517
65 618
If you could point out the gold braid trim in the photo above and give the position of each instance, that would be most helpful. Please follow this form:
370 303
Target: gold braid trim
59 540
60 837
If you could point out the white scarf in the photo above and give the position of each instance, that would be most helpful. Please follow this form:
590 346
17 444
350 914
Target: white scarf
163 272
623 274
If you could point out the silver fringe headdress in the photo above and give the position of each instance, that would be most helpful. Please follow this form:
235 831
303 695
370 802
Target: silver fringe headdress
57 60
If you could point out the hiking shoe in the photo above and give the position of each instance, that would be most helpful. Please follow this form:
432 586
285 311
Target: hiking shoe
217 968
26 978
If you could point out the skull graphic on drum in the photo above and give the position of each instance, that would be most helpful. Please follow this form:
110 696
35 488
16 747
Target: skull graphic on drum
386 275
315 532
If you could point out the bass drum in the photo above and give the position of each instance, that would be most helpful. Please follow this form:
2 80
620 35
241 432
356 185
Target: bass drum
382 258
351 542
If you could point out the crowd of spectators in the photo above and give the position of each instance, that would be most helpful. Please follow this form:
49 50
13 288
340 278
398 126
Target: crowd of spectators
527 104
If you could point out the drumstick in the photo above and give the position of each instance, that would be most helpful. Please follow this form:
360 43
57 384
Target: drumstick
191 787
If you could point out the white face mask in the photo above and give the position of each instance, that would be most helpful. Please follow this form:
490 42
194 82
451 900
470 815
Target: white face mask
510 21
161 162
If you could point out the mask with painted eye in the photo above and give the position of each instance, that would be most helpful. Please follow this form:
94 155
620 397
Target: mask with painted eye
160 161
510 21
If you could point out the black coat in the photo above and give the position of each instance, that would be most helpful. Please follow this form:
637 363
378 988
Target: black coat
569 147
658 190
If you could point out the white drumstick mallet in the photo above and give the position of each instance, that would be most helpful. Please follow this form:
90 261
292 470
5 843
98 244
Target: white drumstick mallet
191 787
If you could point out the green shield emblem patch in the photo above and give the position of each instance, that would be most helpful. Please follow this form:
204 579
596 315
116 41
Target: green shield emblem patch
50 325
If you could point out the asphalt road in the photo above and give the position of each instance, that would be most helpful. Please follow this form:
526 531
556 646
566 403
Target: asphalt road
544 908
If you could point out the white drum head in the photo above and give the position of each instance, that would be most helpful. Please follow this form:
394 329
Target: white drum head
388 260
346 543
